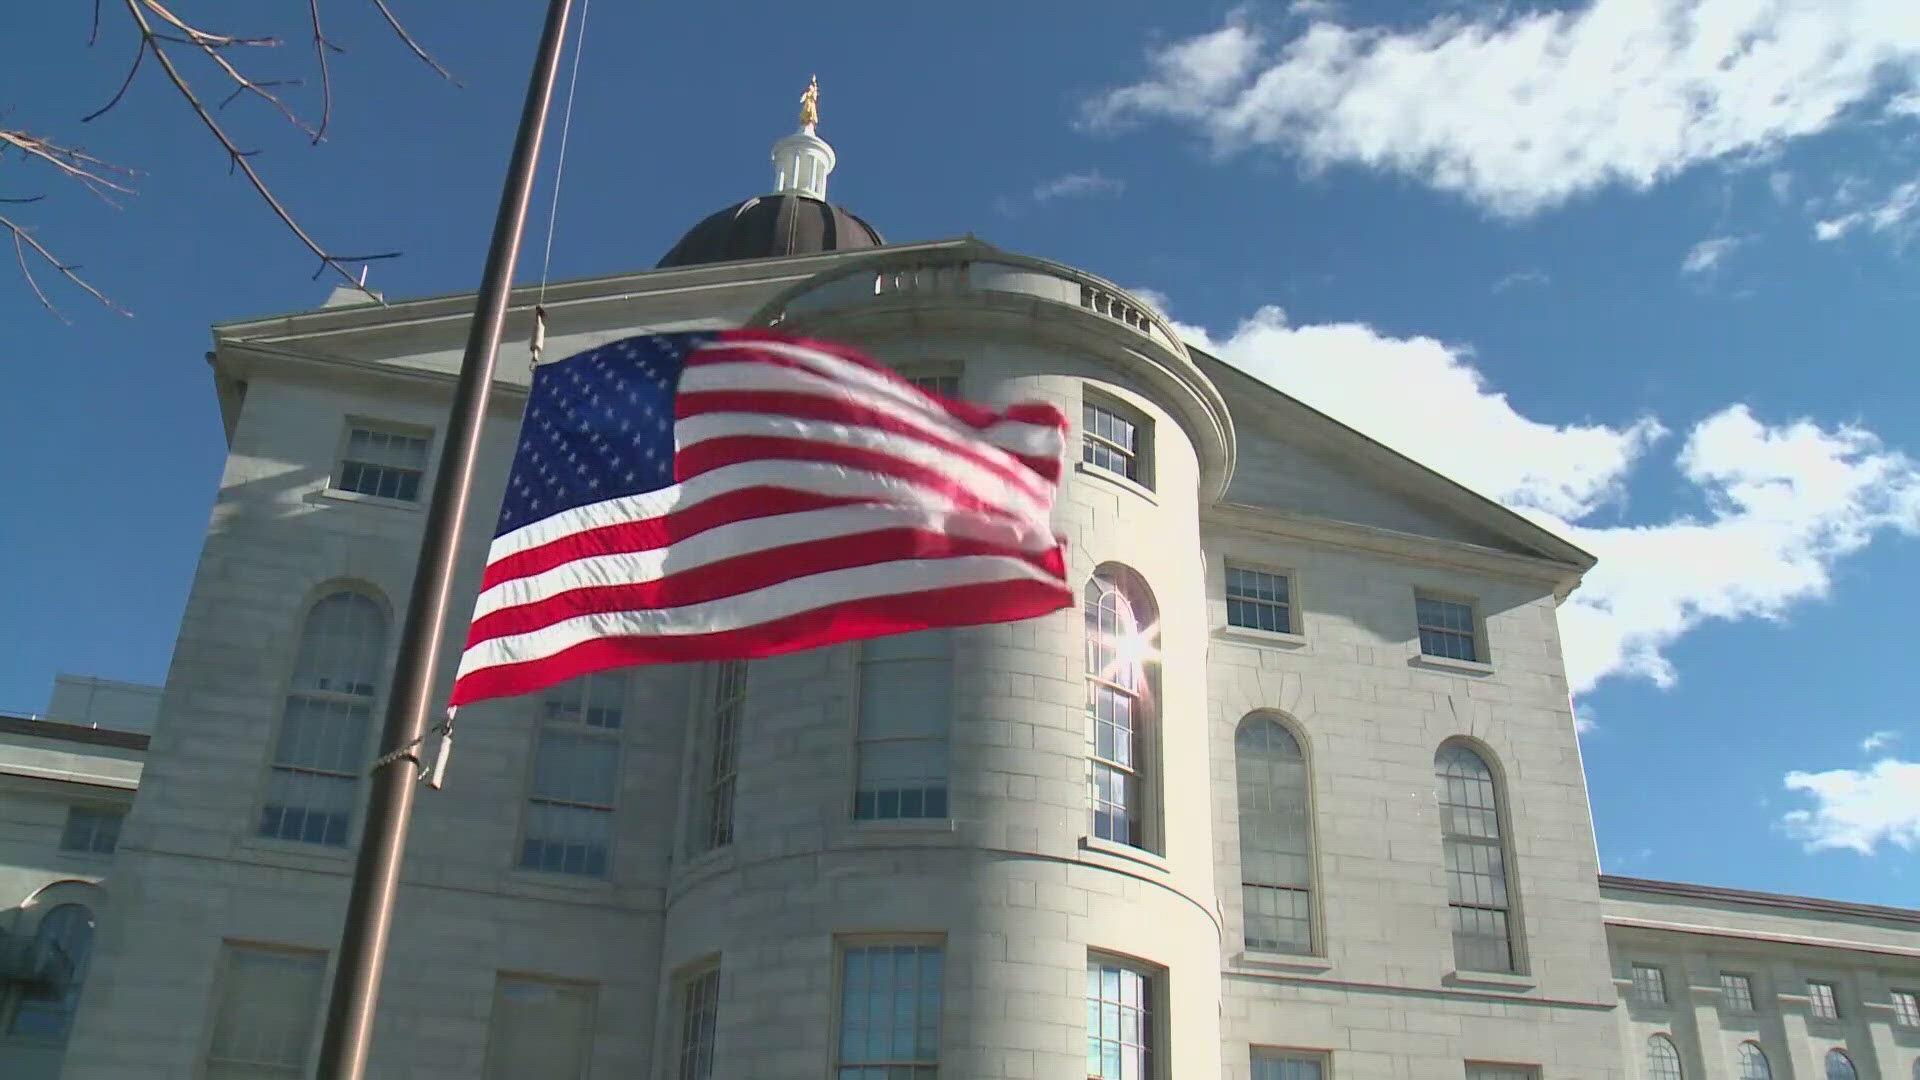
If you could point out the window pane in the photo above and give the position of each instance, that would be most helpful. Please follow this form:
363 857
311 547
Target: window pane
1276 835
539 1030
44 1010
383 463
1258 600
1116 708
322 745
311 808
1906 1008
890 1002
1475 859
1663 1061
715 818
342 646
597 700
1446 628
1753 1063
1649 984
1738 992
1479 1071
1119 1022
563 839
95 831
264 1022
1839 1066
1268 1065
1825 1005
576 768
699 1021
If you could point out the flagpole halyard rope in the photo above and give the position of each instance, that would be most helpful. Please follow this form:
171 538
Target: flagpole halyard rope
559 169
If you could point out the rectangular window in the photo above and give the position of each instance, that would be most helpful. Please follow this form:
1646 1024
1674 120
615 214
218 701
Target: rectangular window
316 767
1115 441
715 818
576 777
1259 600
1120 1021
1906 1008
1826 1005
1447 629
1288 1065
1649 984
93 830
946 386
539 1030
699 1022
890 999
1480 1070
382 462
1736 991
906 701
264 1022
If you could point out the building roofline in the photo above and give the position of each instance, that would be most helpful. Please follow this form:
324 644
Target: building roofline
55 729
1816 904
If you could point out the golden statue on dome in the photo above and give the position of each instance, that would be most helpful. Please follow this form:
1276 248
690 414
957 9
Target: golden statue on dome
810 103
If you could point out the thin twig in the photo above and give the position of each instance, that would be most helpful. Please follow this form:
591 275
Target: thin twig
139 54
211 44
320 47
73 163
412 44
23 240
93 34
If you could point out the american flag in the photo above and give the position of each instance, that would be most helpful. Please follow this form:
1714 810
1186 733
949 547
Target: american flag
725 495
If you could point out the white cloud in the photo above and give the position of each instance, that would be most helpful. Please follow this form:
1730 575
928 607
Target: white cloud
1858 809
1879 740
1899 210
1780 182
1706 256
1076 185
1521 111
1783 502
1519 278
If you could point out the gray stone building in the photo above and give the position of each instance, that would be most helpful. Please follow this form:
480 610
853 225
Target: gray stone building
1295 794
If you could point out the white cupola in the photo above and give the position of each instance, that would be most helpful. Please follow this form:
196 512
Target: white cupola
802 160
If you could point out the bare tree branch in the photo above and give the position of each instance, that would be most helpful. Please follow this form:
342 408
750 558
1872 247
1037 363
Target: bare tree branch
167 36
412 44
79 166
22 240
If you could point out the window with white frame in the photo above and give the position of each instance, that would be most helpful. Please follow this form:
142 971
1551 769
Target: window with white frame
1116 439
264 1022
1476 858
1825 1003
63 943
1649 984
1736 991
1840 1066
539 1029
93 830
1480 1070
1288 1065
1447 629
1121 1014
890 1001
1259 600
713 816
1752 1062
906 704
699 1024
1663 1059
1119 712
576 776
944 384
322 746
1906 1008
1276 837
383 461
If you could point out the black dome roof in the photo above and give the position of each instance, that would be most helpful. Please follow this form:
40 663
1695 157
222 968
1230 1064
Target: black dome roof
768 226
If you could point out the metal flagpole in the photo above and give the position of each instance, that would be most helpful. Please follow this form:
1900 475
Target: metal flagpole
376 873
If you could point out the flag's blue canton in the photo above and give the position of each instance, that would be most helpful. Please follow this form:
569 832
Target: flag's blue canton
598 425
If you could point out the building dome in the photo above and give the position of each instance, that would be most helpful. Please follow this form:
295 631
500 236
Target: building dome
769 226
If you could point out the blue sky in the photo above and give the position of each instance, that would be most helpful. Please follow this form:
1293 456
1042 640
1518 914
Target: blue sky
1642 270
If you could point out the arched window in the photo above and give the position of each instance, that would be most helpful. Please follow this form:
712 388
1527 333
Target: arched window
322 749
1276 837
1663 1061
1753 1062
1476 860
1119 711
61 949
1839 1065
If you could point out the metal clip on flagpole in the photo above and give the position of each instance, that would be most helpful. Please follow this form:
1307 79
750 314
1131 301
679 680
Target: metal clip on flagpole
348 1036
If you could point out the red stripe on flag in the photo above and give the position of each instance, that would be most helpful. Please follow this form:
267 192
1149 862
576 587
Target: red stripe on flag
646 534
959 605
726 450
842 411
749 571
